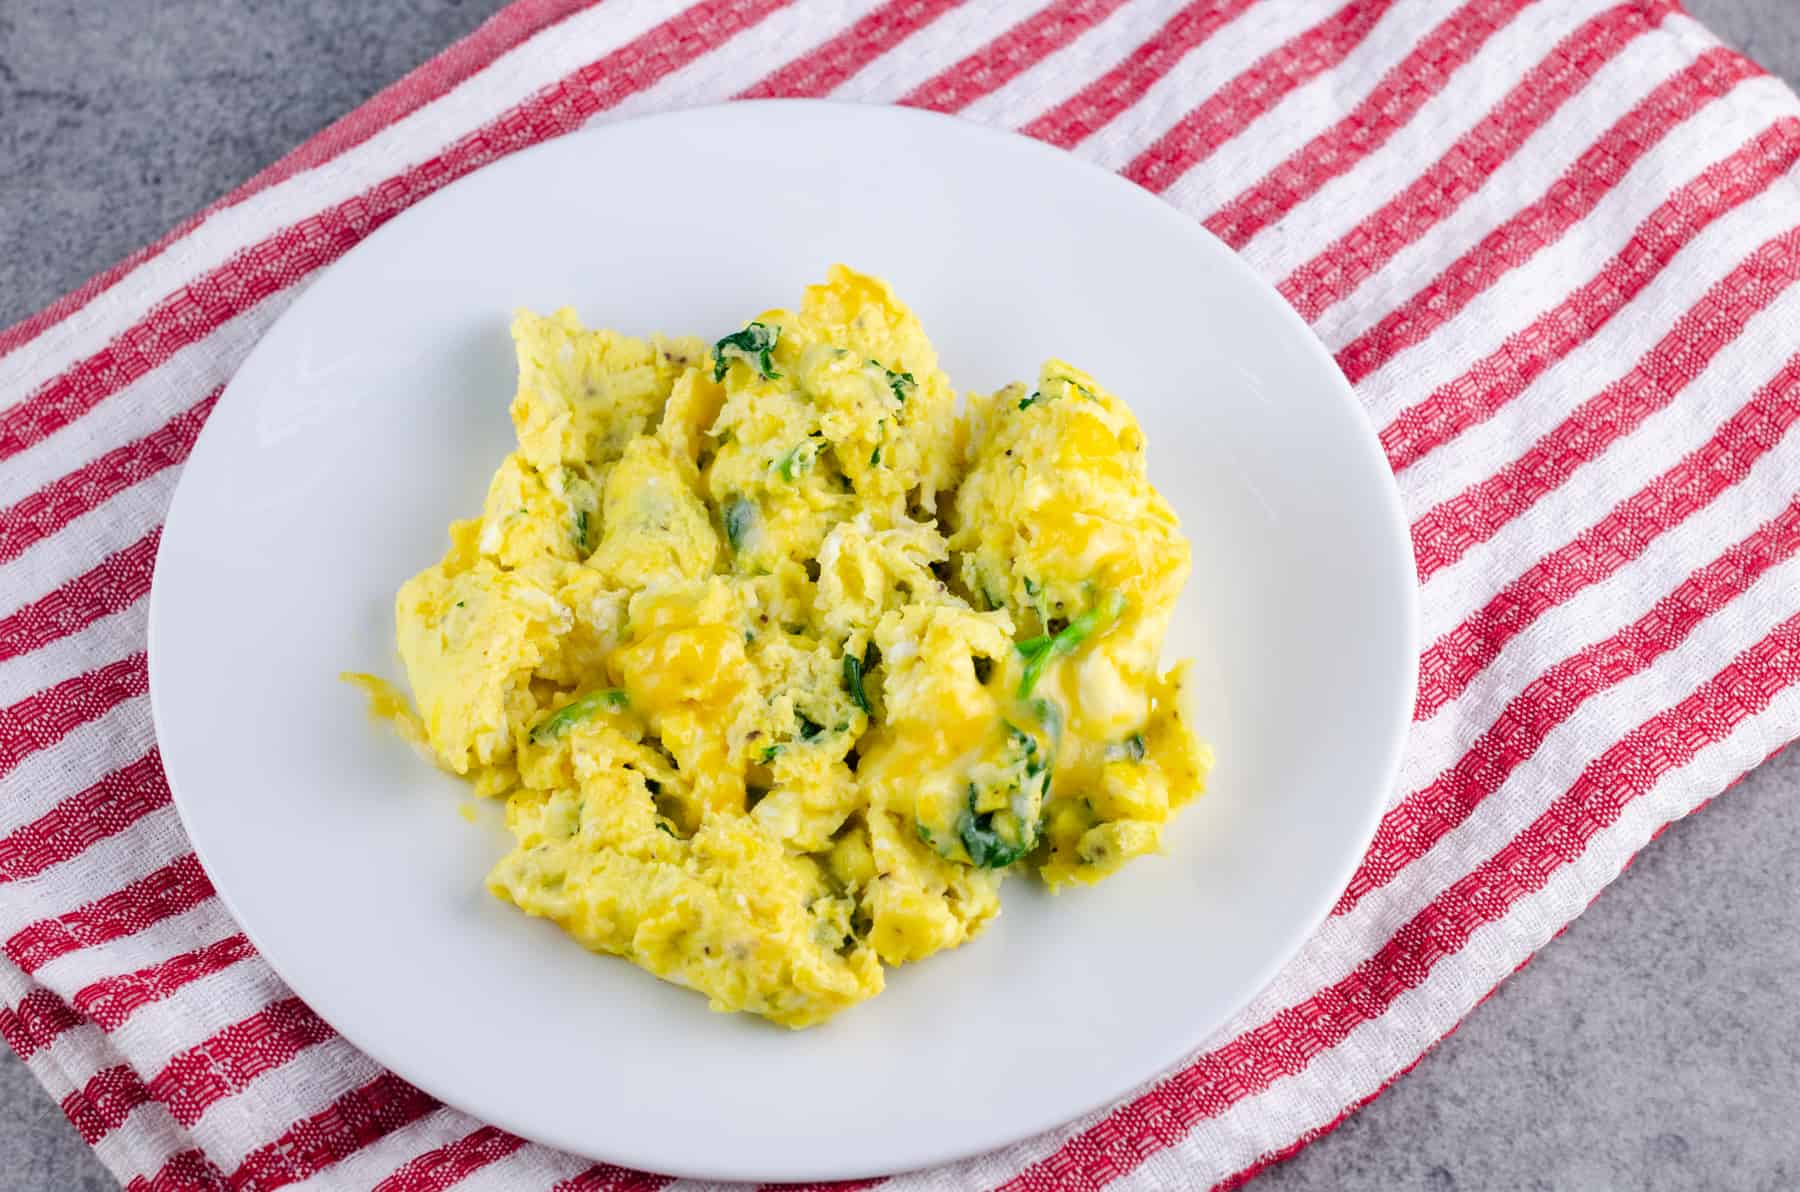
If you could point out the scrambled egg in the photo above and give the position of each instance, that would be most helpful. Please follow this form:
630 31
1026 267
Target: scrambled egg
781 664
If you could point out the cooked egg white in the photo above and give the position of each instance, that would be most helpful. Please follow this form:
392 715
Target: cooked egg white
781 664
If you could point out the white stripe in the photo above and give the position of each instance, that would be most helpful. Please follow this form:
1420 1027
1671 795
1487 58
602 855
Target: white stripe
1347 200
527 1167
779 38
996 1167
507 81
1593 365
89 752
1417 1019
1643 66
1061 75
129 953
1626 465
369 1166
1196 76
1600 610
142 406
934 49
1518 297
253 1117
50 563
114 636
1305 113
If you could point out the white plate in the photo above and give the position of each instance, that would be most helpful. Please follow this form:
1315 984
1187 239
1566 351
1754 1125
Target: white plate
373 412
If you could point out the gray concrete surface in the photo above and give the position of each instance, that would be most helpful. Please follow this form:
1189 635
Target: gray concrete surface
1655 1045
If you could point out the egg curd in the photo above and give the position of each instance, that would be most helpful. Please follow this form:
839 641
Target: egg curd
781 664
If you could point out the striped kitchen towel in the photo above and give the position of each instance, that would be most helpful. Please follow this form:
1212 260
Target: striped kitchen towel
1554 247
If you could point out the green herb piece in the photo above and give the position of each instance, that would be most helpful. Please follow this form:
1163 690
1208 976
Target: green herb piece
853 679
901 384
740 516
580 534
924 833
752 345
795 461
560 721
1038 651
875 457
1131 749
663 826
809 728
462 604
987 845
769 753
1027 402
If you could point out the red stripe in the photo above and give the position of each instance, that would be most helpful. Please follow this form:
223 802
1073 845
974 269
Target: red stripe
185 1171
222 1066
1453 661
1445 533
1095 105
114 585
501 32
1286 1043
1410 829
1231 109
1509 370
825 68
1568 201
45 717
176 887
36 1021
48 510
111 1000
1009 55
439 1169
1459 173
312 1144
276 263
604 1177
106 808
99 1107
1387 109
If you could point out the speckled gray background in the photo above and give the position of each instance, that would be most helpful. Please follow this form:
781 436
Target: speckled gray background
1655 1045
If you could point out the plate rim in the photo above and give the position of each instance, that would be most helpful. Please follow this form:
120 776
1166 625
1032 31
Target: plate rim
1179 223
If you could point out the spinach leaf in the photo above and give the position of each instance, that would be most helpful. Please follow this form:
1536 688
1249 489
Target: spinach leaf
740 516
987 847
752 345
853 679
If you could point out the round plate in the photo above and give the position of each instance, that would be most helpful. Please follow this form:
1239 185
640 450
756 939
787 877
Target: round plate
375 409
